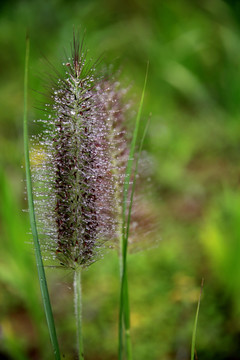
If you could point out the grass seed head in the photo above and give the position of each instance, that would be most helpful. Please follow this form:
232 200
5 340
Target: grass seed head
78 186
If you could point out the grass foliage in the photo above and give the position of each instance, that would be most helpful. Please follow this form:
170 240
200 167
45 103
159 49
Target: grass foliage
39 261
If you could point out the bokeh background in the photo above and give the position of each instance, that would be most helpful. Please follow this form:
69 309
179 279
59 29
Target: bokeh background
193 94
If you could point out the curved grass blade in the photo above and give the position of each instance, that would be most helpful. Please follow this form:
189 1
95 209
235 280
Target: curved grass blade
124 311
126 307
131 154
195 324
134 180
40 268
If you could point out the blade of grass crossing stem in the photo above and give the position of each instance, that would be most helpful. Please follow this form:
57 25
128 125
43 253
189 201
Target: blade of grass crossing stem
195 324
126 307
124 302
134 179
131 154
40 268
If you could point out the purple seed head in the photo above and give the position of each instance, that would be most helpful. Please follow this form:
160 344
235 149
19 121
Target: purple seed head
78 185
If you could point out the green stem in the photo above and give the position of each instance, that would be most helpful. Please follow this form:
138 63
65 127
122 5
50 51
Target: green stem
126 316
124 311
121 311
126 307
78 310
196 323
39 262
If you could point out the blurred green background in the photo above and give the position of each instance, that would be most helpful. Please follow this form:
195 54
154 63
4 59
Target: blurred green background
193 93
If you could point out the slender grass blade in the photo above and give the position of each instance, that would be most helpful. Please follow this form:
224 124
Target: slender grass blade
195 324
124 311
40 268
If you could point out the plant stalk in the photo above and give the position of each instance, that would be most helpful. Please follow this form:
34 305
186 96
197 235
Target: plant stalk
196 323
37 249
126 315
124 311
78 311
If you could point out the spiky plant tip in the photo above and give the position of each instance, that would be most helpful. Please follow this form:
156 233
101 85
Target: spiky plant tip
79 183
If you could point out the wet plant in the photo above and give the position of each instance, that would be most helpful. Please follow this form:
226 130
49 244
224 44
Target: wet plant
84 183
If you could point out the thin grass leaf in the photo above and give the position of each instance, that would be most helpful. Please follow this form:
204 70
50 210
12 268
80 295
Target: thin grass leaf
195 324
131 154
40 268
134 179
126 307
124 311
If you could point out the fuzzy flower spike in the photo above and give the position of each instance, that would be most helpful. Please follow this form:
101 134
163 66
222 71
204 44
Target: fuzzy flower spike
79 184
